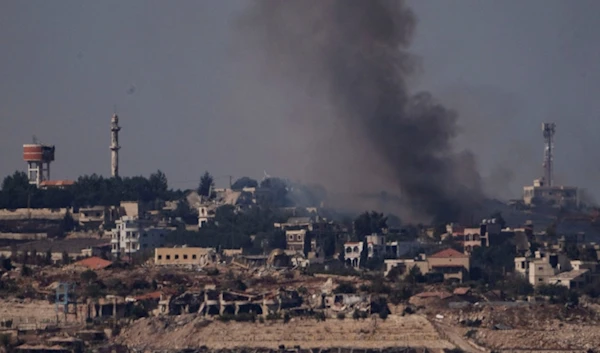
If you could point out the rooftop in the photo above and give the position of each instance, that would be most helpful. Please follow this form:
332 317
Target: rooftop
570 274
449 253
94 263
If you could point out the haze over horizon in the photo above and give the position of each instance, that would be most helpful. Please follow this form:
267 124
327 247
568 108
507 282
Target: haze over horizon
187 103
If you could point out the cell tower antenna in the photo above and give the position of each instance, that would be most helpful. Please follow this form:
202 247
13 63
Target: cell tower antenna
548 130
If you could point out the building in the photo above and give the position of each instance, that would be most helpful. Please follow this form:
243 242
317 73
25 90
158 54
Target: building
452 264
540 194
376 245
184 256
571 279
73 248
93 217
205 215
132 235
38 158
352 251
540 267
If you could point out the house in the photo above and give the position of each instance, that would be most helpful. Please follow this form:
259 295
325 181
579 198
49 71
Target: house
184 256
571 279
132 235
93 263
452 264
205 214
296 239
352 251
540 267
93 217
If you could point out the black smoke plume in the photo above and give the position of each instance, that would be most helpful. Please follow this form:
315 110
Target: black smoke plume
355 53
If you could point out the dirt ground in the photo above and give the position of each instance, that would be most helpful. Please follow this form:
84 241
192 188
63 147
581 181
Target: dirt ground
192 331
27 311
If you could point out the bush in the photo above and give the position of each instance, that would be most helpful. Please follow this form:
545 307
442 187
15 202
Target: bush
383 314
345 288
88 276
139 311
273 316
356 315
140 284
213 271
341 316
286 318
320 316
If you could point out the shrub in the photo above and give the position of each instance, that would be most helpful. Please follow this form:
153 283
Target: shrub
383 314
213 271
341 316
286 318
273 316
356 315
320 316
345 288
88 276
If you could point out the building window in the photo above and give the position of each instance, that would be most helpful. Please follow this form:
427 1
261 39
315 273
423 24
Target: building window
168 257
160 257
185 257
145 235
540 279
176 257
348 250
291 237
194 256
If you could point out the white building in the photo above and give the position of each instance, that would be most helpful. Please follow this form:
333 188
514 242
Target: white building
352 251
132 235
204 215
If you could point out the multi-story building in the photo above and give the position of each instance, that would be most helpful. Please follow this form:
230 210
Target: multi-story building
132 235
352 251
541 267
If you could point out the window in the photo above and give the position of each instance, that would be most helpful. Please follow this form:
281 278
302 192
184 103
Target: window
291 237
159 257
540 279
176 257
145 235
185 257
540 268
194 256
348 250
168 257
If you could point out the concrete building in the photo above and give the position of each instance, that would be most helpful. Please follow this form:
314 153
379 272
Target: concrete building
352 251
132 235
184 256
452 264
295 240
540 194
541 267
571 279
74 248
205 214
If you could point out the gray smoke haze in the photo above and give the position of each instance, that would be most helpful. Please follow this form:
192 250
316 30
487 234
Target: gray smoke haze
351 61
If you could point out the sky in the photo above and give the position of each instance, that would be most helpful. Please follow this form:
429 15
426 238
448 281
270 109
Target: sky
176 75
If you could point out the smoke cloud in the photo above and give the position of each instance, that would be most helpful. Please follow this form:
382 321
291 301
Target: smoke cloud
351 55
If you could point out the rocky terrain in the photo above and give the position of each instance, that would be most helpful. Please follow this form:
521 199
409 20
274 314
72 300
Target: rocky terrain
172 333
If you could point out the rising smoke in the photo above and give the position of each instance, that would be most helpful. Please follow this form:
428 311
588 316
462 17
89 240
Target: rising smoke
354 53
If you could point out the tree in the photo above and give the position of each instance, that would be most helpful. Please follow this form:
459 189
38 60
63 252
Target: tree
364 254
88 276
5 263
369 223
65 258
158 184
244 182
207 183
345 288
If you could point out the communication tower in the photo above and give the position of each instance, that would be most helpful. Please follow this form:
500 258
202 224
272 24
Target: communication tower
548 129
114 146
38 158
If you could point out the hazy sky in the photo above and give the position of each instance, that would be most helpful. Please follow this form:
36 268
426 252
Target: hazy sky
506 66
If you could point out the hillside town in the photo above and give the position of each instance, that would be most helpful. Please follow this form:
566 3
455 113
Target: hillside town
127 264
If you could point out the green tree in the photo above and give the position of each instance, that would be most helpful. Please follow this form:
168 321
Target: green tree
158 184
369 223
244 182
498 216
88 276
206 185
65 258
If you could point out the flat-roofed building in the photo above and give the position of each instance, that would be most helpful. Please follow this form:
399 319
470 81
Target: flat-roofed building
184 256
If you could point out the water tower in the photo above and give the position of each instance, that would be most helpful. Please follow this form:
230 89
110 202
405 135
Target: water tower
38 158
